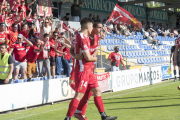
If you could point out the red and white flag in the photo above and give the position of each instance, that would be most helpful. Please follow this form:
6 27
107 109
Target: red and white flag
122 17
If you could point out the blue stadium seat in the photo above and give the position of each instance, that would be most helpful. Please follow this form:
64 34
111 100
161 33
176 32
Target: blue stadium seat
18 81
44 78
108 48
36 79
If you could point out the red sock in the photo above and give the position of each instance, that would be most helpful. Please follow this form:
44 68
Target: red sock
72 107
99 103
73 86
84 102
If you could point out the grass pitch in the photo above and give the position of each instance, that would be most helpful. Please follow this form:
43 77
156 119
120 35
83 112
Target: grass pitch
155 102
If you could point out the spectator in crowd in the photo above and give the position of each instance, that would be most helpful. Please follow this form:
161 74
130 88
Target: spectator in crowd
160 32
6 65
97 19
59 58
66 18
168 32
116 59
3 34
150 38
176 32
25 31
94 17
172 56
32 56
75 10
90 16
19 51
43 57
23 8
12 35
53 51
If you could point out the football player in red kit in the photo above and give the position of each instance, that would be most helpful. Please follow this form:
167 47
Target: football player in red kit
84 73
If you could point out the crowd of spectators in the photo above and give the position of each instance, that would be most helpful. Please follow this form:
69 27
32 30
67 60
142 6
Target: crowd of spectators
33 44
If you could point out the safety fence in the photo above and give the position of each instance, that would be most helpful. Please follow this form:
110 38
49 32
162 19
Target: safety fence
23 95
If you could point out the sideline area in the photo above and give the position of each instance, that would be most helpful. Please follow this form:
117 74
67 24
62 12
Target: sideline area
159 101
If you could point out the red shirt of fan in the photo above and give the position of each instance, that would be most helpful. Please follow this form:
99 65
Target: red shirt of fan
24 9
52 50
32 56
2 18
45 53
12 36
19 51
82 44
115 57
68 55
24 34
3 36
59 48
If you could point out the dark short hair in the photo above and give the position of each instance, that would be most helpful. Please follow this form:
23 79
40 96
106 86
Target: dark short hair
96 24
67 13
37 39
14 24
4 44
55 32
85 21
33 13
10 13
46 35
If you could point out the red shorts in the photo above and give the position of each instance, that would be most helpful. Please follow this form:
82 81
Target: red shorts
85 81
72 75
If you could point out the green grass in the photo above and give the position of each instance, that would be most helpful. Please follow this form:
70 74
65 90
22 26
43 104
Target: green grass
155 102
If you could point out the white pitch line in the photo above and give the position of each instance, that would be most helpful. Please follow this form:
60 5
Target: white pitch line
93 101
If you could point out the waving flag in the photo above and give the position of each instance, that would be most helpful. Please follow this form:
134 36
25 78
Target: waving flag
122 17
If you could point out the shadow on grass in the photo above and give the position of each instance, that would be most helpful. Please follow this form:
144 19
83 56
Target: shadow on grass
138 101
147 107
165 95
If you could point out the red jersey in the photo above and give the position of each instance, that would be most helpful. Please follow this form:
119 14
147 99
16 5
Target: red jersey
26 35
178 42
24 9
68 55
32 56
115 57
45 53
3 36
59 48
2 18
12 37
94 43
52 52
19 51
82 44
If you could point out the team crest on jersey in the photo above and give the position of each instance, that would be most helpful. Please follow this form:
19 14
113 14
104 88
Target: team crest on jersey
95 43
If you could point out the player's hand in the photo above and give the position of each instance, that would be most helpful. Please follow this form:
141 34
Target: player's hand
6 80
78 56
34 1
102 36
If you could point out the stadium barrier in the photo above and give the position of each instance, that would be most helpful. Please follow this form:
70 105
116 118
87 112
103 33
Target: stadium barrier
23 95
